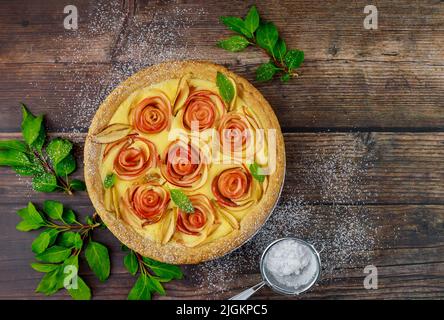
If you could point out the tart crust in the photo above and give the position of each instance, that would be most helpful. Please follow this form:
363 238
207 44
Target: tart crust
173 252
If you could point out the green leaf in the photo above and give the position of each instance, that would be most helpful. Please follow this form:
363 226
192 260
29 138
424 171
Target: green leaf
255 172
124 248
252 20
45 182
234 43
28 226
40 267
25 171
15 158
49 283
109 181
181 200
156 286
294 59
98 259
77 185
237 25
58 149
70 240
31 126
163 270
82 292
285 77
226 88
54 254
66 166
31 214
267 36
53 209
40 141
131 263
266 71
279 50
41 242
141 289
14 145
73 260
69 216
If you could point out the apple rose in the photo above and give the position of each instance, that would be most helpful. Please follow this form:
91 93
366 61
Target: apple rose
201 223
133 156
147 201
235 132
203 107
152 114
184 165
232 186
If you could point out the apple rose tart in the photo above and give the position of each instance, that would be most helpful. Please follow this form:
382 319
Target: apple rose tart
180 161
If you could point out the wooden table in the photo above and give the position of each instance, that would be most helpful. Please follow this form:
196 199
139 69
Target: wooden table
363 126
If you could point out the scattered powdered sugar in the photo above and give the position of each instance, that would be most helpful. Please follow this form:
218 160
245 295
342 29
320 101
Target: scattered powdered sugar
342 230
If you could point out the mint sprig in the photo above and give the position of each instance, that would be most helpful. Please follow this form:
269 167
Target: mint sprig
152 274
254 31
59 245
181 200
49 166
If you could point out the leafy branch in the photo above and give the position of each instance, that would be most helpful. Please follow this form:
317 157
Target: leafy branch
59 245
254 31
152 274
49 164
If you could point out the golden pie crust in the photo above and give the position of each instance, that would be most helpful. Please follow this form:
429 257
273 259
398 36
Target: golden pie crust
174 252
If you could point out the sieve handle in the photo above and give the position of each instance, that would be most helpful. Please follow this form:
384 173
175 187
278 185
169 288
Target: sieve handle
244 295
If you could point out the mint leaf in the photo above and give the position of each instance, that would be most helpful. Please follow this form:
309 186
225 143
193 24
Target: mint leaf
31 126
58 149
27 171
40 267
54 254
252 20
11 157
66 166
98 259
44 182
266 71
53 209
109 181
82 292
77 185
163 270
181 200
131 263
48 284
31 214
279 50
234 43
285 77
13 144
141 289
156 286
237 25
267 36
226 88
41 242
255 172
70 240
69 216
294 59
40 140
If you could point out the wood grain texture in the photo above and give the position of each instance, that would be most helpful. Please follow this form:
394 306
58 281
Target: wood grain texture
363 126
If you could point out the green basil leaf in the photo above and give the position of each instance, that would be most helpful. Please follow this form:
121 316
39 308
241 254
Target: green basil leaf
82 292
77 185
58 149
163 270
109 181
98 259
141 289
279 50
69 216
266 71
226 88
53 209
237 25
267 36
255 172
41 242
156 286
181 200
31 126
49 283
45 182
40 267
54 254
294 59
131 263
15 158
234 43
70 240
13 144
252 20
66 166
